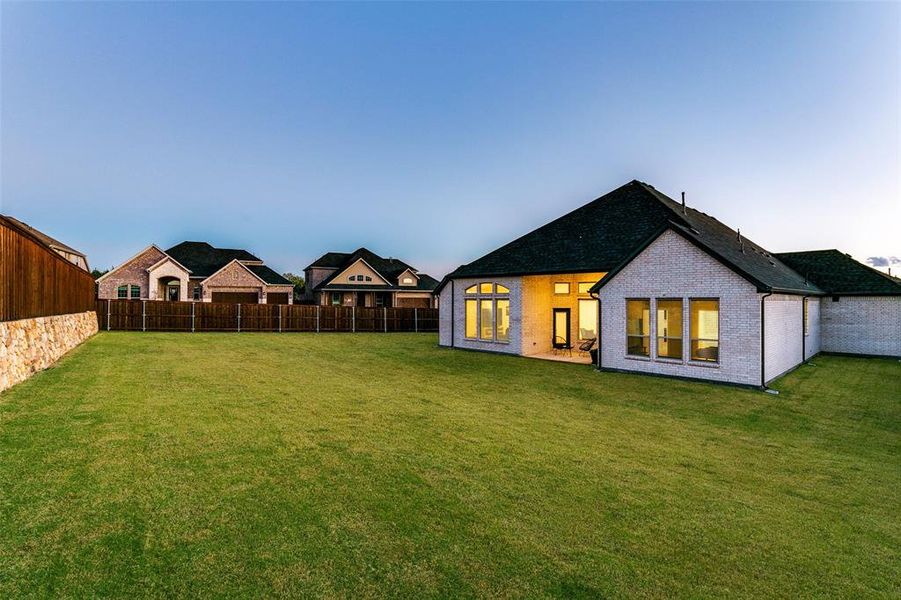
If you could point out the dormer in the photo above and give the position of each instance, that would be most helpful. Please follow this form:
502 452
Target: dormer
408 279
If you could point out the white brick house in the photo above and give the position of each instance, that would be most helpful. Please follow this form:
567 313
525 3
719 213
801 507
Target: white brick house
663 289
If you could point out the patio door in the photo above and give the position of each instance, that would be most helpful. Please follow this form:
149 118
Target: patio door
561 326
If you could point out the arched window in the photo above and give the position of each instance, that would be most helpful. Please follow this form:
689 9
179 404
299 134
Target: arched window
487 314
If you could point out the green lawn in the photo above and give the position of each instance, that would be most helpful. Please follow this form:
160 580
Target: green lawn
370 465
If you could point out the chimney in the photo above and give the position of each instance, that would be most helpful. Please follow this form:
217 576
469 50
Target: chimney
683 203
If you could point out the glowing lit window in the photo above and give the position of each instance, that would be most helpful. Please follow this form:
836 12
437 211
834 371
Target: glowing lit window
472 319
408 280
486 320
669 328
503 320
638 327
561 288
588 319
584 286
487 315
705 330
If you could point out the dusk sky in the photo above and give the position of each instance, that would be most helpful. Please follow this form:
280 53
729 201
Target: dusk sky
438 132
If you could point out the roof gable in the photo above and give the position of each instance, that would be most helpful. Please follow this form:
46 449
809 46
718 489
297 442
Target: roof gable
233 264
837 273
158 255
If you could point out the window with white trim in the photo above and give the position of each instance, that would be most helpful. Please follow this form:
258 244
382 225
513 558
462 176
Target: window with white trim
122 292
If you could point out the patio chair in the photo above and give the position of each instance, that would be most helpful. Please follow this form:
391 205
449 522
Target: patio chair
561 345
586 346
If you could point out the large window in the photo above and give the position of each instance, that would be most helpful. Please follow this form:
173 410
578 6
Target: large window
588 319
561 287
487 312
135 291
705 330
669 328
638 327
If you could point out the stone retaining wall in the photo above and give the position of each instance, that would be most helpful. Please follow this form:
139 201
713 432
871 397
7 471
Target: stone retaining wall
31 345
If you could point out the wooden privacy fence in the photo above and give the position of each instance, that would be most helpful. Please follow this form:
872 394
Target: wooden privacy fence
35 281
154 315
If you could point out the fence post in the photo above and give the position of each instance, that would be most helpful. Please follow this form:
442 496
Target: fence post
239 318
107 314
279 318
416 320
193 306
318 310
386 319
143 315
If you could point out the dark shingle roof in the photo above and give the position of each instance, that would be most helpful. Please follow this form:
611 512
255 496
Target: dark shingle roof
203 260
389 268
268 275
606 233
837 273
330 260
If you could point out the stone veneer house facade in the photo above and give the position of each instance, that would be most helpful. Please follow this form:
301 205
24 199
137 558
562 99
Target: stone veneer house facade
662 289
196 271
363 278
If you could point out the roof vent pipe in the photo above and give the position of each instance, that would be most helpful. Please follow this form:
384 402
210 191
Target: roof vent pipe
683 203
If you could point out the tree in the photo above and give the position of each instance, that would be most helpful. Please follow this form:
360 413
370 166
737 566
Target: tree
298 282
97 273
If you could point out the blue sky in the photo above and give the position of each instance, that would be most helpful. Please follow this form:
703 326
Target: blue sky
437 132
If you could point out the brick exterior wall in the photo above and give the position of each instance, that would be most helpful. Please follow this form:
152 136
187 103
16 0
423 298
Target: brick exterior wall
133 272
232 278
783 322
446 305
862 325
671 267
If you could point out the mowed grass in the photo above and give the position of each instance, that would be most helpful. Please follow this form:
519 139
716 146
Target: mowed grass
374 465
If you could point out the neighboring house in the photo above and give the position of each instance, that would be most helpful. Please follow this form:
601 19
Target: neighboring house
862 311
675 293
196 271
363 278
79 259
